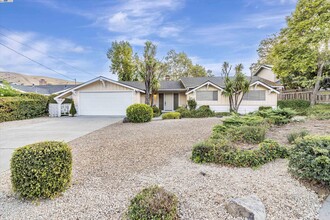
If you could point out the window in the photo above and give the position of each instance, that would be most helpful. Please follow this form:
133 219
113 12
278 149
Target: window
255 95
207 95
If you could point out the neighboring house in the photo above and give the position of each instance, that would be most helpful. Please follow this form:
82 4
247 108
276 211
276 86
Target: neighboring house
42 89
265 72
103 96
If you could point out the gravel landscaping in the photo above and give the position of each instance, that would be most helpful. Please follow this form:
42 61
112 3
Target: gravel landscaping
113 164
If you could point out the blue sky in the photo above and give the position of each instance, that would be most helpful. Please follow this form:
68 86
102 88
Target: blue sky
80 32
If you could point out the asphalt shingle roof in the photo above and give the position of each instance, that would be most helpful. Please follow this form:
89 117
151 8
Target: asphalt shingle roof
164 85
43 89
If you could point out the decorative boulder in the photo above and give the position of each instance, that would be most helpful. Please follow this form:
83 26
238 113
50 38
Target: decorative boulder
249 207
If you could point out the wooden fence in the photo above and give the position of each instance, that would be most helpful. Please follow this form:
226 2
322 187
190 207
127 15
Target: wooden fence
322 96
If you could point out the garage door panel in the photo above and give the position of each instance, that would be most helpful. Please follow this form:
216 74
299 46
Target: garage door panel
104 103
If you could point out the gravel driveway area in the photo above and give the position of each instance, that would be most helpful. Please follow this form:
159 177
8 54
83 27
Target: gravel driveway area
112 164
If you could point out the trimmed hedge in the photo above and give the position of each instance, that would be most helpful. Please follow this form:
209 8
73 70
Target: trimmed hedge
41 170
171 115
23 107
310 159
139 113
296 104
223 153
153 203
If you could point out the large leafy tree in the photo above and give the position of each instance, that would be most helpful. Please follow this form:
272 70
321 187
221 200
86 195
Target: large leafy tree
263 51
235 87
180 65
122 61
301 53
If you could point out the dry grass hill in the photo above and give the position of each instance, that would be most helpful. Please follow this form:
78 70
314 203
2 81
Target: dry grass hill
23 79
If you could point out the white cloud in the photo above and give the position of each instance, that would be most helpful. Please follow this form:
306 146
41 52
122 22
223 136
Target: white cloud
41 50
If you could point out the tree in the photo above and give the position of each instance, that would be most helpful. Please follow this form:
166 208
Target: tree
302 49
122 61
72 110
235 87
180 65
263 51
148 68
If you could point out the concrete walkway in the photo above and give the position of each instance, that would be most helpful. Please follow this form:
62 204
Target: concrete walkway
15 134
325 210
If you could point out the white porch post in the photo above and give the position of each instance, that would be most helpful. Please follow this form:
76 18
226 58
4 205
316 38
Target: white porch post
59 103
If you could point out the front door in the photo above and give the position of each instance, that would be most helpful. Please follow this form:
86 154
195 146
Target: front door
168 102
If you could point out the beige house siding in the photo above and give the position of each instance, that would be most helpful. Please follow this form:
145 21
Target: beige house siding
98 86
182 98
222 104
267 74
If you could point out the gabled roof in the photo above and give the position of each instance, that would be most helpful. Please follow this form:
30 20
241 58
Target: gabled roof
264 66
100 78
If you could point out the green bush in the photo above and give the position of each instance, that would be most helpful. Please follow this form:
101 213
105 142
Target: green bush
262 108
171 115
153 203
41 170
244 133
221 114
73 110
139 113
192 104
293 136
223 153
23 107
319 112
277 116
6 90
202 112
184 112
310 159
244 120
296 104
156 111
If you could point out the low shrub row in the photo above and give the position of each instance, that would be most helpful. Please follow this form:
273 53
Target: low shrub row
319 112
310 159
23 106
171 115
203 111
221 152
296 104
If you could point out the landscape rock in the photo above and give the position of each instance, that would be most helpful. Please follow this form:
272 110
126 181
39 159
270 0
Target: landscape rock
249 207
325 210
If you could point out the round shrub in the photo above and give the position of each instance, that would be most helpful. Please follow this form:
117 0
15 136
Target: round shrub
153 203
310 159
139 113
41 170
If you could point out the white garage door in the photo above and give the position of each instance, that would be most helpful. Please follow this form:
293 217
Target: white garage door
104 103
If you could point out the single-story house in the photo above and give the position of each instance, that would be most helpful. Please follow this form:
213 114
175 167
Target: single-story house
103 96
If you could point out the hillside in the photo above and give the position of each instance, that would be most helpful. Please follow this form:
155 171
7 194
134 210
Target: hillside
23 79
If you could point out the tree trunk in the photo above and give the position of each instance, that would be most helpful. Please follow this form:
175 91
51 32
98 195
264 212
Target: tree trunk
147 99
318 82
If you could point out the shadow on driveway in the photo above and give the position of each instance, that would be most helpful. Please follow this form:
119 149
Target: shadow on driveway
16 134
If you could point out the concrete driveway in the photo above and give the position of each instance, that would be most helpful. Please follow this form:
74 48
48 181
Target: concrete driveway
15 134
